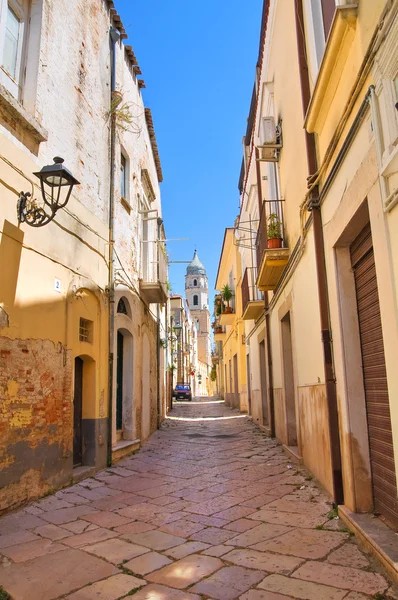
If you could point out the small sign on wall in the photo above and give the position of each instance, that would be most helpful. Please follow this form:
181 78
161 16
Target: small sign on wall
57 285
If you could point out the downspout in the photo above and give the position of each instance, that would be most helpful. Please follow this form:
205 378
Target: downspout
267 317
114 38
160 223
315 207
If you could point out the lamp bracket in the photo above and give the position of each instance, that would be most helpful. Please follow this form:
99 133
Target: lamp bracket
28 212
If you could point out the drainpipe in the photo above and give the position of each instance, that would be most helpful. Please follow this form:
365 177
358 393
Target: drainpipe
315 207
114 38
266 308
160 223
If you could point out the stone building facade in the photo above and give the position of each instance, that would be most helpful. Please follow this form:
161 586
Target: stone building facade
81 299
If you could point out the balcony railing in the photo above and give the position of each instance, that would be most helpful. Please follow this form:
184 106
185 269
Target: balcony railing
252 298
272 252
153 283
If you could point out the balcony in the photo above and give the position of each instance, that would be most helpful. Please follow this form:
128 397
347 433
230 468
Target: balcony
153 283
227 318
252 301
219 333
271 261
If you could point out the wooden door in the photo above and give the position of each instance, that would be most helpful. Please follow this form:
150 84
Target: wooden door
119 381
375 378
263 379
289 383
78 414
236 382
249 388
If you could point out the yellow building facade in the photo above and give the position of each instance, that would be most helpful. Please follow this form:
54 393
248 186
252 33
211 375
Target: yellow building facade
229 327
316 238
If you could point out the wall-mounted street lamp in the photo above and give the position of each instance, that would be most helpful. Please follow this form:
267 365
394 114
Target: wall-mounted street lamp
57 184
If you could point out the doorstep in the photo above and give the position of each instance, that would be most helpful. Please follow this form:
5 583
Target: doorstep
82 472
294 454
123 448
376 537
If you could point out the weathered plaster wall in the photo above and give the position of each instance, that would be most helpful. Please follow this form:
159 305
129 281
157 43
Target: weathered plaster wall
35 418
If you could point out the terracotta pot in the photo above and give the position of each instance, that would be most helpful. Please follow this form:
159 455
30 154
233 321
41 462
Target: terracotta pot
228 310
218 330
274 243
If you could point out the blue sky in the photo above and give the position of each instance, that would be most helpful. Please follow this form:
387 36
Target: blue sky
198 62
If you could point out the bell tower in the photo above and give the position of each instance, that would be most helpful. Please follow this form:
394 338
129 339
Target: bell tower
197 296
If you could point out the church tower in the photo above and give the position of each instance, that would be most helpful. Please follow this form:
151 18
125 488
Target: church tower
197 296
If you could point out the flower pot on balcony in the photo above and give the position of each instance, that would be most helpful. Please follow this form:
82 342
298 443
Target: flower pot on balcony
274 243
228 310
218 329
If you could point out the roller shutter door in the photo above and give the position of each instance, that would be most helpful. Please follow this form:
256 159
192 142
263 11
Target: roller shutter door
375 378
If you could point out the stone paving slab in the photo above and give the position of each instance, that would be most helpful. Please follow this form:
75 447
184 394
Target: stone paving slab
110 589
228 583
147 563
115 551
304 590
208 509
186 571
343 577
47 578
161 592
24 552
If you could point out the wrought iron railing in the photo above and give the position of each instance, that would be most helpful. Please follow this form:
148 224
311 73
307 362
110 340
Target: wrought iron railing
271 211
250 293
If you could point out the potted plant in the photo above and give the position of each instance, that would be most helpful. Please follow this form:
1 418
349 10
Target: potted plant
274 231
218 329
227 294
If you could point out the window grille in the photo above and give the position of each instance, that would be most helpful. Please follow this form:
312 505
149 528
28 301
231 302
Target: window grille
85 331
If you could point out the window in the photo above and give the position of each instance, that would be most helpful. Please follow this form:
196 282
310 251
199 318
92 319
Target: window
195 282
86 331
13 19
195 300
11 42
315 33
123 176
122 307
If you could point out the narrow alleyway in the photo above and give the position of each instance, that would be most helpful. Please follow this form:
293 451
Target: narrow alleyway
209 508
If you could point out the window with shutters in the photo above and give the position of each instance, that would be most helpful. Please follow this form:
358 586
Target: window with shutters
195 300
14 21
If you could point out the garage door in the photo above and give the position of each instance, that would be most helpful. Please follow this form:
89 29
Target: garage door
375 378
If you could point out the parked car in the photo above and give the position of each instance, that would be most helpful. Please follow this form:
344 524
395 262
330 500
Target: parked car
183 391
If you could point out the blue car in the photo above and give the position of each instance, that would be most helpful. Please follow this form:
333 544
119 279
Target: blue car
182 391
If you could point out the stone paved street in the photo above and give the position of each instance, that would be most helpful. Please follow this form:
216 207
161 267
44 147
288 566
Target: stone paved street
209 508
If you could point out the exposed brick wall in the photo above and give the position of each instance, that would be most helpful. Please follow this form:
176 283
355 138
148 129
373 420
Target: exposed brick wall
35 419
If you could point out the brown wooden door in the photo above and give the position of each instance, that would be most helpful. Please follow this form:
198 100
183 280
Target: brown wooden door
263 380
249 387
375 378
236 383
78 413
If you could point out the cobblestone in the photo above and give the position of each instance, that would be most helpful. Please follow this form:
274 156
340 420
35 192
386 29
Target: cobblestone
210 508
